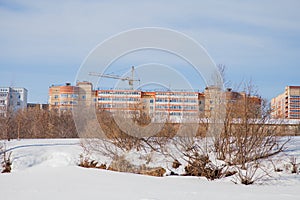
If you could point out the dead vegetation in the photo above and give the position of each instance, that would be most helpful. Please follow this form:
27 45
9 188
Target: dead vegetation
6 162
36 123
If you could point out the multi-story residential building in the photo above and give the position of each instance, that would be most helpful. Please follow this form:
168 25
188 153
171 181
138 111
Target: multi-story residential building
174 106
287 104
178 105
63 97
38 106
171 105
127 101
216 100
12 99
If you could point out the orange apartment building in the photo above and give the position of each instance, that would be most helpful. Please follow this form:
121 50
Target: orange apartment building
287 104
64 97
215 98
172 105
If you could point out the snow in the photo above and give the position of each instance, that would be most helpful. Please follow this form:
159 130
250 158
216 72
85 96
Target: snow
47 169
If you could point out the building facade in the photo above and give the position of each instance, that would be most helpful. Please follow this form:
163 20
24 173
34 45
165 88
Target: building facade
63 97
231 101
124 101
174 106
12 99
287 104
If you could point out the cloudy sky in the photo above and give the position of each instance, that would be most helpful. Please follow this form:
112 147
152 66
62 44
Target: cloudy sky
45 42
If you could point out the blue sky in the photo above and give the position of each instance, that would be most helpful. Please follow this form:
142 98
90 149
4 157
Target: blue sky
44 42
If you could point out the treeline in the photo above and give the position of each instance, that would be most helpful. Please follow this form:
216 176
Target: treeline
36 123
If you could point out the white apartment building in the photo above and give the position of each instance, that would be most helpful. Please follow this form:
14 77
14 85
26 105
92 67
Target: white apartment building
12 99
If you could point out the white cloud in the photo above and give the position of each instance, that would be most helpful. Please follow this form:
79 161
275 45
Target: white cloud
236 33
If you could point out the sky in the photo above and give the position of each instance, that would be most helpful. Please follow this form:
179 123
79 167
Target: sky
45 42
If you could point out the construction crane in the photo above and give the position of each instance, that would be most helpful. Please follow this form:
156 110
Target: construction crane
129 79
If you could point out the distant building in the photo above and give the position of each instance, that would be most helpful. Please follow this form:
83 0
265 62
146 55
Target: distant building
287 104
63 97
12 99
127 101
38 106
215 99
175 106
171 105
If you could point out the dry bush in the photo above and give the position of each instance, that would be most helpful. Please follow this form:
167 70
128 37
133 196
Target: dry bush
87 163
246 135
36 123
251 173
6 163
294 164
120 164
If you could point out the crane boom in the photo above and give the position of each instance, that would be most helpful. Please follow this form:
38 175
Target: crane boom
129 79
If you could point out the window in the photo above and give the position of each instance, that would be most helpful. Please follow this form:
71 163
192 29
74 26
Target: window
64 102
74 95
73 102
55 96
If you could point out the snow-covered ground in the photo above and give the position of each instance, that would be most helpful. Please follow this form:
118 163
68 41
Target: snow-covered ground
47 169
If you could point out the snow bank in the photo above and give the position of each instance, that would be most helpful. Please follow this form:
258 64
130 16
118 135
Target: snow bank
47 169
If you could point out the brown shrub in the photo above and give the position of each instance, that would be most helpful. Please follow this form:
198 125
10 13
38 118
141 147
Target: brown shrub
157 171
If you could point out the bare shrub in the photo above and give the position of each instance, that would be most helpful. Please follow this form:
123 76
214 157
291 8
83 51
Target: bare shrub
6 163
37 123
247 136
293 162
253 172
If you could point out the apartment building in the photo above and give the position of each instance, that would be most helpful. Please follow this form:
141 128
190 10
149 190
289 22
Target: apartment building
179 105
216 99
38 106
287 104
171 105
63 97
126 101
174 106
12 99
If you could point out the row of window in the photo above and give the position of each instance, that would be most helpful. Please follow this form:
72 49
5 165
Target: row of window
114 106
177 113
68 95
295 101
295 116
177 100
120 92
74 96
118 99
295 96
295 106
177 94
66 103
177 107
